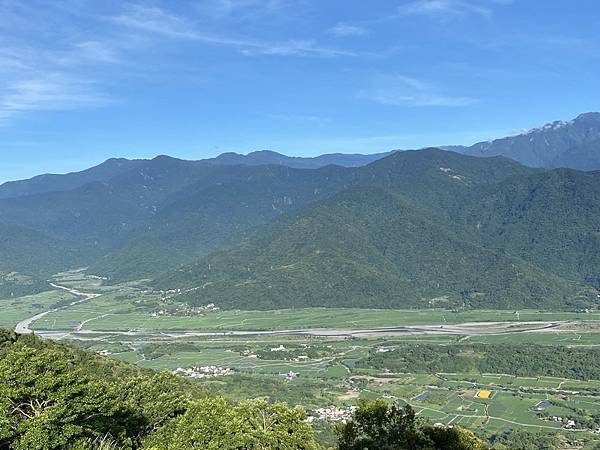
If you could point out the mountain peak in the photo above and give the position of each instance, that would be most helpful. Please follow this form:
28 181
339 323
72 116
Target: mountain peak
547 145
164 158
595 116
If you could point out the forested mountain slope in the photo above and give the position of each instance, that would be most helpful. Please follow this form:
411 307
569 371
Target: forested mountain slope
202 217
368 247
412 228
433 227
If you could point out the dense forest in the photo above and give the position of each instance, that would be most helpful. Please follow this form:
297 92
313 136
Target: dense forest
519 360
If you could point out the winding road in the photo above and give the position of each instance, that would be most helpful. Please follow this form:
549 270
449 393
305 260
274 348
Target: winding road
24 326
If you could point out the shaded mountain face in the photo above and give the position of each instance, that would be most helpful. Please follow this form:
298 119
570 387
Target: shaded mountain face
416 228
585 156
557 144
366 247
454 238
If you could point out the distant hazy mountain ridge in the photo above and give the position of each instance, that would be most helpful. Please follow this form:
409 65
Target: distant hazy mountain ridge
574 143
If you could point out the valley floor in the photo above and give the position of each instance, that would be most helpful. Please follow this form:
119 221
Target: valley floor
317 357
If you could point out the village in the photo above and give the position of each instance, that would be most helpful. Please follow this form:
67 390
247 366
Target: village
333 414
204 371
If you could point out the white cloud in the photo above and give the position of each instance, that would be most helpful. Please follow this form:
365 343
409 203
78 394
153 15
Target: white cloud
227 8
400 90
345 30
444 8
98 51
53 92
158 21
289 48
155 20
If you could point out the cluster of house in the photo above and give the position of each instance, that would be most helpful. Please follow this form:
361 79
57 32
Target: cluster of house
566 423
333 414
203 372
282 348
184 310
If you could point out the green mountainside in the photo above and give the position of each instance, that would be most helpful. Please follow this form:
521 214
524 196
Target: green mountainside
206 215
54 182
28 258
412 229
203 217
367 247
436 228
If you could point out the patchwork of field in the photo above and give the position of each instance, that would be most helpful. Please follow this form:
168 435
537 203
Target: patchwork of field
108 314
318 371
487 403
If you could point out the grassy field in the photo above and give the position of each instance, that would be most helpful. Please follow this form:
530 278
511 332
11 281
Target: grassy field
108 314
13 310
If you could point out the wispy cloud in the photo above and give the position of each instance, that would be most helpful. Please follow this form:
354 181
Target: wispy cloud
401 90
299 118
50 93
155 20
158 21
342 30
444 8
251 8
97 51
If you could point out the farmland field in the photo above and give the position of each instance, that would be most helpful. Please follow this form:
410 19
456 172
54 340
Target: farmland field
332 369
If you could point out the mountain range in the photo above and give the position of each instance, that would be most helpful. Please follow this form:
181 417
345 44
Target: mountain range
398 229
573 144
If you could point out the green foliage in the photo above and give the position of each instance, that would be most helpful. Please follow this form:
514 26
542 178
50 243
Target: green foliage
382 426
367 248
377 425
52 397
525 440
215 424
28 257
55 397
519 360
46 404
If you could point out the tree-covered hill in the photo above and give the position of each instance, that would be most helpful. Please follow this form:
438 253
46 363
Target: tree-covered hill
434 227
368 247
209 214
28 258
64 182
551 219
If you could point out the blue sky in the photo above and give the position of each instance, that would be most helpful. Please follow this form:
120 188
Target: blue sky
85 80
